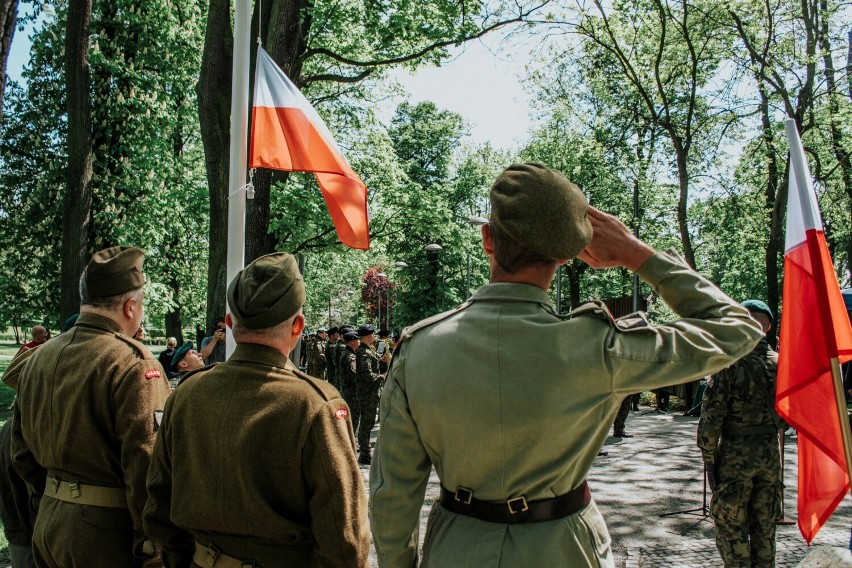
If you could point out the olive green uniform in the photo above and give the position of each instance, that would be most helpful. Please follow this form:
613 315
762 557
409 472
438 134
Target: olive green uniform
347 367
367 390
86 411
316 358
257 459
523 410
738 437
332 356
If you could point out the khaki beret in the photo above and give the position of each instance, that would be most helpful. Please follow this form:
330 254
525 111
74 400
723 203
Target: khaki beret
541 210
267 291
114 271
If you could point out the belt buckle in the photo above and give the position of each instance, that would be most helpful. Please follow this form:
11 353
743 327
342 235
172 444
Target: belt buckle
522 503
75 488
463 495
212 553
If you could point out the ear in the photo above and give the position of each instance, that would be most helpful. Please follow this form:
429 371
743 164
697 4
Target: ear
130 308
298 325
486 239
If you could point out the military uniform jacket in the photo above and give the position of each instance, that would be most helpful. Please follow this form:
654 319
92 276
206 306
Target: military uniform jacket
368 365
87 406
739 401
332 354
347 366
258 459
523 409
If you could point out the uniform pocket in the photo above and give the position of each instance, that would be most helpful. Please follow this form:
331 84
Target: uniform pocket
726 505
598 534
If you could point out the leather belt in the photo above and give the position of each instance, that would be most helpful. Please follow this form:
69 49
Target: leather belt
517 510
84 494
212 557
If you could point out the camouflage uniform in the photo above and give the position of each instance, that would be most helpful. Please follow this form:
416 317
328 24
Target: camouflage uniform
348 376
369 381
316 358
332 359
739 410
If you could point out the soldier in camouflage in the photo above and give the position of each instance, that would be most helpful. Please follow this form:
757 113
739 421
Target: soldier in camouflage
738 438
347 369
330 361
316 354
368 384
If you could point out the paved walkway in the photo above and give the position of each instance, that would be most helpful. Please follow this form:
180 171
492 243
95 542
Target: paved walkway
659 471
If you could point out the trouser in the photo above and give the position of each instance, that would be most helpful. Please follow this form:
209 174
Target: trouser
21 556
746 502
350 395
368 401
621 416
69 534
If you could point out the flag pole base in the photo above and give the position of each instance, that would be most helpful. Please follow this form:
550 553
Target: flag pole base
785 520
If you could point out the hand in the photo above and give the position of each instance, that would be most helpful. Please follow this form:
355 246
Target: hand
220 335
613 244
711 476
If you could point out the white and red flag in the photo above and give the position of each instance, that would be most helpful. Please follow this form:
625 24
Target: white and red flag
814 331
288 134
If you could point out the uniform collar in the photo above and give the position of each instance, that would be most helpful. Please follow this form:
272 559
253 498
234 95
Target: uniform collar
261 355
510 291
98 321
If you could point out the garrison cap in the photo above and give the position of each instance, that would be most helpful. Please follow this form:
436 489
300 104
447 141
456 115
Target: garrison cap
350 336
180 353
333 330
366 330
541 210
114 271
759 307
267 291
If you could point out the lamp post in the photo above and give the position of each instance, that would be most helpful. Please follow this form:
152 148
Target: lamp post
379 316
473 222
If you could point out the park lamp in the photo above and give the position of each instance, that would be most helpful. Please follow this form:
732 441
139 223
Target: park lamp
433 247
400 264
477 221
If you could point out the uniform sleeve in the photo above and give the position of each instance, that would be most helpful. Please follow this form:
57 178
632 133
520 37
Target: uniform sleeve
13 371
23 459
398 476
713 332
365 368
713 412
176 545
337 502
138 397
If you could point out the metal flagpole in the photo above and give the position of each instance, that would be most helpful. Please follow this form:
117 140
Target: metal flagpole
238 159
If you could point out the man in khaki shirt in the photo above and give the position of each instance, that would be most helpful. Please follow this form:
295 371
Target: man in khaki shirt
255 461
86 415
512 419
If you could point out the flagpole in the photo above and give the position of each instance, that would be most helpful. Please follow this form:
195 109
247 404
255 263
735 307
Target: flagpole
237 165
797 161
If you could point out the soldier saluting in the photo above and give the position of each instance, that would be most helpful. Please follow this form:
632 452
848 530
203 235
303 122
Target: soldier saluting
86 413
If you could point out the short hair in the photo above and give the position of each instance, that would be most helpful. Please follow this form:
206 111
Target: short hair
511 256
278 330
106 302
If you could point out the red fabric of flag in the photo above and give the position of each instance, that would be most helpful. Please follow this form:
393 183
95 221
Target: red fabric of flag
814 329
288 134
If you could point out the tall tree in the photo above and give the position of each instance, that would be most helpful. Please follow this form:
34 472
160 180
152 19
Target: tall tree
330 47
78 193
8 20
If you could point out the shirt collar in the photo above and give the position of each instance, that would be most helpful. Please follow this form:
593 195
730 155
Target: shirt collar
510 291
88 319
262 355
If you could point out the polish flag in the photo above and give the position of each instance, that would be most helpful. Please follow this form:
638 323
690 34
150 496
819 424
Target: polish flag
814 330
288 134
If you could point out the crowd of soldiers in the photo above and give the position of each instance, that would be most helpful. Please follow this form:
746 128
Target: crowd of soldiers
355 363
249 461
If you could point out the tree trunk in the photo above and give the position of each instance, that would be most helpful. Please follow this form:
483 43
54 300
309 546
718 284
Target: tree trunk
78 193
214 112
841 154
8 19
681 154
173 323
283 34
775 243
575 270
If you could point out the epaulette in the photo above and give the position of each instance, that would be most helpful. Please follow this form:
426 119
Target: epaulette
140 348
194 372
412 329
595 309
